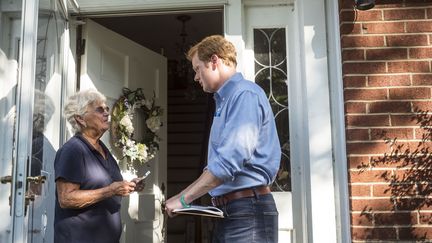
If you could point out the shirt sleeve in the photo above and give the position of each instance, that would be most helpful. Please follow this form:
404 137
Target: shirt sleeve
69 164
238 138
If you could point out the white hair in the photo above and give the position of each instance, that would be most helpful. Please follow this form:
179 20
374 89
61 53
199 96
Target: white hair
77 105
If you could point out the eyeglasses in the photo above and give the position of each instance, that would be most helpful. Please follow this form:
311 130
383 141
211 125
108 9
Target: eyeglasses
102 109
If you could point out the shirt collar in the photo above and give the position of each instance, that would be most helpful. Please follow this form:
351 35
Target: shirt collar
81 137
228 87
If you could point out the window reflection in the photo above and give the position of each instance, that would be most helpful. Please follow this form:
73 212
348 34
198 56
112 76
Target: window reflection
46 118
271 75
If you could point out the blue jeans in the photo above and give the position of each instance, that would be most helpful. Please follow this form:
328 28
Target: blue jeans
248 220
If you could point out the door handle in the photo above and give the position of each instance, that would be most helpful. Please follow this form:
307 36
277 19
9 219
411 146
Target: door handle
37 179
6 179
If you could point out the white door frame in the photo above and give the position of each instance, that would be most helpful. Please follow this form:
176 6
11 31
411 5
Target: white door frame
24 114
319 171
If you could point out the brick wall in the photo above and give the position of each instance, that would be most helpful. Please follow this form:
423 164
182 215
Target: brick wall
387 75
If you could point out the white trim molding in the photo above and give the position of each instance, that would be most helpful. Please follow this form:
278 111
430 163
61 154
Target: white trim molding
338 122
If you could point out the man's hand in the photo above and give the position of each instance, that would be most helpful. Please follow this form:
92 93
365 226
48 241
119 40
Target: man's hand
171 204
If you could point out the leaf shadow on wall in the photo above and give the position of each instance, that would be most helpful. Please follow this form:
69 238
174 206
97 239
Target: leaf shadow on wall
409 177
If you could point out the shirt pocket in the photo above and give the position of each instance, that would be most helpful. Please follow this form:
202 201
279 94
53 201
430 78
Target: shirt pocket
216 130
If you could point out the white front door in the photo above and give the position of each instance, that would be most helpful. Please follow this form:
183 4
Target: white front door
263 38
110 63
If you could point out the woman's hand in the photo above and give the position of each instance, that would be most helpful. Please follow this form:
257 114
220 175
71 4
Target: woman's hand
71 196
122 188
139 184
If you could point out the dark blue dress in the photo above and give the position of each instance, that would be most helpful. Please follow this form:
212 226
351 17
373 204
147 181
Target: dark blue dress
78 162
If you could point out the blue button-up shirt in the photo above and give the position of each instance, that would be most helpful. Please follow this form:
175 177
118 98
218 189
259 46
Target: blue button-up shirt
244 149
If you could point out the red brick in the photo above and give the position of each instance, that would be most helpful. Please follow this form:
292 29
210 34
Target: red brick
429 13
363 219
402 120
368 176
422 105
367 120
383 28
410 93
357 134
408 66
354 81
420 52
373 233
424 189
386 54
389 80
364 148
415 233
371 204
397 14
419 26
349 55
356 162
425 218
365 94
350 28
364 68
389 106
393 218
418 3
351 15
424 204
422 79
355 107
382 4
381 190
399 133
385 162
363 41
360 190
407 40
422 133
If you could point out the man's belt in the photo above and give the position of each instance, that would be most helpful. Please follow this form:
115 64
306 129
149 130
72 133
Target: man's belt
248 192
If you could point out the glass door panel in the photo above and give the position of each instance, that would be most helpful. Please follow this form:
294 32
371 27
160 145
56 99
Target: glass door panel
46 121
10 30
267 32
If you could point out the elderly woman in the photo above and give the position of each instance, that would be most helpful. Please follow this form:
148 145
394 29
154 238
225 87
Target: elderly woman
88 180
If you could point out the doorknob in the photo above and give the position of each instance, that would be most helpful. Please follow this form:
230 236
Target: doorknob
6 179
37 179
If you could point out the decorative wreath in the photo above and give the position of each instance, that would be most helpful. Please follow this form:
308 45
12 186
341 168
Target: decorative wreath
122 128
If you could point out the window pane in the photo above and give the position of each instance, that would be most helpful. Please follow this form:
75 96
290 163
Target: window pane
271 75
46 119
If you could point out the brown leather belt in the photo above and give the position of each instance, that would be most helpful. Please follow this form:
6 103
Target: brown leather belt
248 192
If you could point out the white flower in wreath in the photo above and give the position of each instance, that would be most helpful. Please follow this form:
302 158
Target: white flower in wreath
127 123
123 129
142 151
153 123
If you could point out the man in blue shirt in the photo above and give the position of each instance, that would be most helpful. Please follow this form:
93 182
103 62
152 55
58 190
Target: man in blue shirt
243 152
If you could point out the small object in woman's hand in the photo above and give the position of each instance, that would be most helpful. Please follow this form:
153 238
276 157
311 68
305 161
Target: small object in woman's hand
139 181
